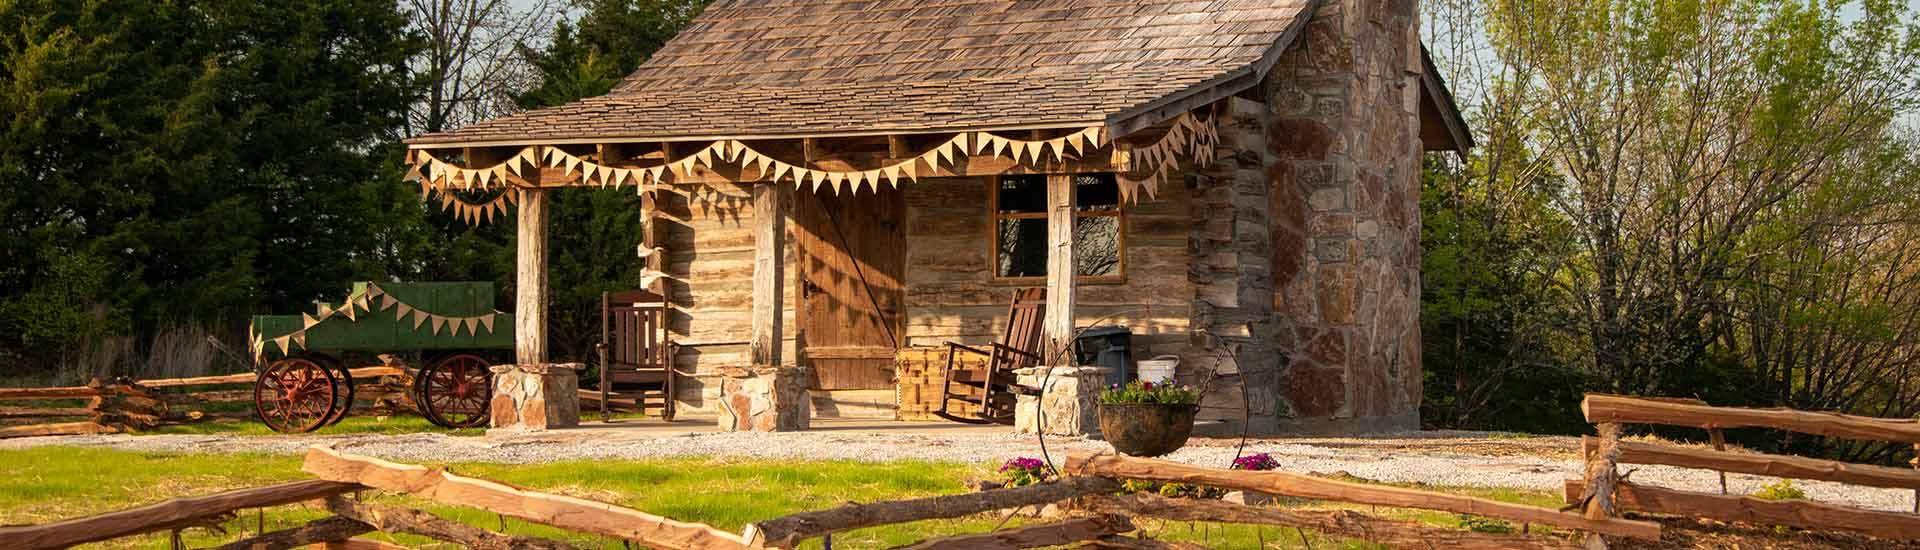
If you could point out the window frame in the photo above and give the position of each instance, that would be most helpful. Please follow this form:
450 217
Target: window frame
994 215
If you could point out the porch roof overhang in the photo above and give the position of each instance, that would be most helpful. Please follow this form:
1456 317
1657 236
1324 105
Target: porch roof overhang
794 69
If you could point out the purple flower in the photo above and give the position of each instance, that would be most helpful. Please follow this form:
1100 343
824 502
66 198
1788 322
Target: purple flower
1023 463
1256 462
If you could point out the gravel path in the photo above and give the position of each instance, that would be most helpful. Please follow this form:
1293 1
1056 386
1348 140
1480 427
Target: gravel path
1433 458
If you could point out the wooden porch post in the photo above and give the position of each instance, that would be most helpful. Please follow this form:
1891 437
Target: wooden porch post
530 294
769 272
1060 269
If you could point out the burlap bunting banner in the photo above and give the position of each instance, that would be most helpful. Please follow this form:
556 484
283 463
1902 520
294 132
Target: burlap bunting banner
1188 136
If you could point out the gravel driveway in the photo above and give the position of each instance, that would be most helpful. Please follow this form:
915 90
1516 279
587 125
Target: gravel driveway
1434 458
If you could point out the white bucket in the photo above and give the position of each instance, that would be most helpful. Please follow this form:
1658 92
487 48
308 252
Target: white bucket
1158 368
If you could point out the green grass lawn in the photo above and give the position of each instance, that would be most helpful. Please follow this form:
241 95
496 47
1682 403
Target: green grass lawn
48 484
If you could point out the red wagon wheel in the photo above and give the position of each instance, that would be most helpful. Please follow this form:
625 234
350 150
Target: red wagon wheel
295 395
342 385
455 391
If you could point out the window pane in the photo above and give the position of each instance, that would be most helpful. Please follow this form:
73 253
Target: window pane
1096 245
1023 194
1095 192
1023 247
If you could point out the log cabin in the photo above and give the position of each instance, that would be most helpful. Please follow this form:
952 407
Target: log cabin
829 184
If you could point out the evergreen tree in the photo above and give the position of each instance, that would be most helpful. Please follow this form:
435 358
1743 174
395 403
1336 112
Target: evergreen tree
167 163
595 231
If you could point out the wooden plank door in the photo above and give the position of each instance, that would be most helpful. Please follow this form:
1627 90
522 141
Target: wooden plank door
852 257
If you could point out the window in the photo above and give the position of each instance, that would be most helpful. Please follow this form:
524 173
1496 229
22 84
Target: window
1020 228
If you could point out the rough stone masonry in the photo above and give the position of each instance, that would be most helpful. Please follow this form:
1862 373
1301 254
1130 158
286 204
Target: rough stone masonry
1344 169
1307 233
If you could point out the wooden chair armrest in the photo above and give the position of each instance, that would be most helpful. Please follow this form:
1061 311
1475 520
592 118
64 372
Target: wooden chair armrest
1011 349
956 346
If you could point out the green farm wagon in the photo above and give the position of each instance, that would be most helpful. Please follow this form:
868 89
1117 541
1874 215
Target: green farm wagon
302 386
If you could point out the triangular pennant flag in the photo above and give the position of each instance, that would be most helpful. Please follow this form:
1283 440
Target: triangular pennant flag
999 144
323 310
780 169
307 321
469 323
854 179
283 342
980 142
349 312
910 168
487 321
401 310
1059 146
893 175
300 338
387 301
587 170
438 323
418 317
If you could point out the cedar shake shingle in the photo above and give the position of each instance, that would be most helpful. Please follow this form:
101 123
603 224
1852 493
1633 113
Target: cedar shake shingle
792 68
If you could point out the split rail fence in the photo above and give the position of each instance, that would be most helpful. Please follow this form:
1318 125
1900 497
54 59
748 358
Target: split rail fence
126 405
1097 517
1605 493
122 406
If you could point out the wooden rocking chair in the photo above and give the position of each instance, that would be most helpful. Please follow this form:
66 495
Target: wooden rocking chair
634 351
991 392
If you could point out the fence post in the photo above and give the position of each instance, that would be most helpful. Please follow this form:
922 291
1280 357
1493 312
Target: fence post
1602 477
1719 444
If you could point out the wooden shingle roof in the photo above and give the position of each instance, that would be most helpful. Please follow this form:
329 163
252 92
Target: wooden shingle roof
794 68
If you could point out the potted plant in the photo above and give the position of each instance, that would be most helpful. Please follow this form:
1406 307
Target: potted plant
1144 418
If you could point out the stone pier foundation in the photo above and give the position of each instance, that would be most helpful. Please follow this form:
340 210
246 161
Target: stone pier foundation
764 399
537 396
1070 404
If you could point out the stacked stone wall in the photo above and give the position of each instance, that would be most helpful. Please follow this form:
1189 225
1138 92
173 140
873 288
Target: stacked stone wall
1343 161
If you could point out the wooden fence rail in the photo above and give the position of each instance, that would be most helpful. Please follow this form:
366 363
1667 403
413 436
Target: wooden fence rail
1099 520
1629 410
168 515
1282 483
1603 452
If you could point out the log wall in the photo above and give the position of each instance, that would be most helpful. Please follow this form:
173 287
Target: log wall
951 294
706 230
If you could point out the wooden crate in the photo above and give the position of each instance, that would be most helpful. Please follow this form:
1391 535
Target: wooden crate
920 375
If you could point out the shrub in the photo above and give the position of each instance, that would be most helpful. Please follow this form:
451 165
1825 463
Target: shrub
1140 392
1784 490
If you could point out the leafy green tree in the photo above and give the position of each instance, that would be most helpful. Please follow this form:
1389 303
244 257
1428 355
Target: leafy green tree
170 163
596 231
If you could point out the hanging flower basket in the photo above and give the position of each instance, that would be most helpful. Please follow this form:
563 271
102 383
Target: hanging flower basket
1146 418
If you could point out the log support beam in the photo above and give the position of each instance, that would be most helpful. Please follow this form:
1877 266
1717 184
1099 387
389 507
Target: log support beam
530 270
769 273
1061 269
